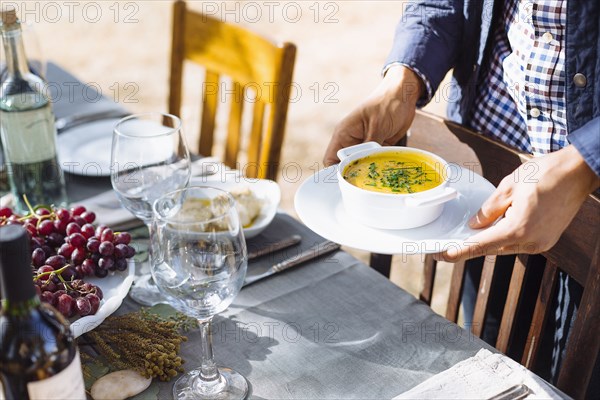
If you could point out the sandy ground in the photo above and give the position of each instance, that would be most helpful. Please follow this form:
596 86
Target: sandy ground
123 48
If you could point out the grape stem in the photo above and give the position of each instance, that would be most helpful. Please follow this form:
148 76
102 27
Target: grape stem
40 218
31 214
28 204
57 273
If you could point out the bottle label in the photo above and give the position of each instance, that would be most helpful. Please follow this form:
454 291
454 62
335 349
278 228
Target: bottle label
28 136
66 385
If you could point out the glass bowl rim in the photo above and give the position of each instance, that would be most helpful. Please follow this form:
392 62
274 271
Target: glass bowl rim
131 117
229 196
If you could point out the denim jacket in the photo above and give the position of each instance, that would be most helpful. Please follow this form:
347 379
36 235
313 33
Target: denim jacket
437 35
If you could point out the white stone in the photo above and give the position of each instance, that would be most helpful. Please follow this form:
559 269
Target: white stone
119 385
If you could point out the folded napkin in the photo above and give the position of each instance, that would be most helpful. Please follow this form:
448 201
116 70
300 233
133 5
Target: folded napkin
480 377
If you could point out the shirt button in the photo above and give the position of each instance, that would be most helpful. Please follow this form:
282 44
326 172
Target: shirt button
579 80
535 112
547 37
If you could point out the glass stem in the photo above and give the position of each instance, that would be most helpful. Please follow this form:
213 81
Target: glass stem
209 371
144 268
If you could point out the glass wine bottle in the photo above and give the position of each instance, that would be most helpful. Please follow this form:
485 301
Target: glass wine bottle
27 126
38 354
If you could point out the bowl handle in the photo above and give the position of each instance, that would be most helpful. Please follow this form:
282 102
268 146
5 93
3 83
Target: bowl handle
447 195
348 151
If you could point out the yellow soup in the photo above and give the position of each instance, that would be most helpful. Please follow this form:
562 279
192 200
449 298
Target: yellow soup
394 172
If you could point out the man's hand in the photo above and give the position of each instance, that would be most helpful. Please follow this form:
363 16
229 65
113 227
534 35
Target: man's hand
384 117
538 201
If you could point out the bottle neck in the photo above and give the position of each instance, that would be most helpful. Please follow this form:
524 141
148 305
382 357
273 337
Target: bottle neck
16 60
19 308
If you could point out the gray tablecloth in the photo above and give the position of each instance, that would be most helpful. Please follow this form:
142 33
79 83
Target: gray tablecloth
71 96
330 329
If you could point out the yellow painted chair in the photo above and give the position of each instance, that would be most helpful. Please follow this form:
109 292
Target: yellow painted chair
253 63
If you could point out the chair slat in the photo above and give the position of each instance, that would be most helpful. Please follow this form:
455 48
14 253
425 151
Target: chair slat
542 308
177 57
256 132
429 270
210 98
481 304
456 286
583 344
512 302
234 131
381 263
273 140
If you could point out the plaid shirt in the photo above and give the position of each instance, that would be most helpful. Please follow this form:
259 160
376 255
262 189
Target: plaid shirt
521 99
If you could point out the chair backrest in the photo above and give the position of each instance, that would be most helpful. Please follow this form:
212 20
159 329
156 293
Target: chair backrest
253 63
577 254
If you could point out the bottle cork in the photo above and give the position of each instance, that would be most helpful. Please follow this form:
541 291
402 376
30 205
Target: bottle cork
8 15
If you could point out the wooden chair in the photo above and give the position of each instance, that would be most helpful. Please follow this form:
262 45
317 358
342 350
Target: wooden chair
253 63
533 280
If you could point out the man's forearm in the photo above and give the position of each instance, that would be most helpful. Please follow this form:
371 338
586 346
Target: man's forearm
404 83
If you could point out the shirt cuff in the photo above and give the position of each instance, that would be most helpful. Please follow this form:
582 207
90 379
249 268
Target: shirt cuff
426 97
587 141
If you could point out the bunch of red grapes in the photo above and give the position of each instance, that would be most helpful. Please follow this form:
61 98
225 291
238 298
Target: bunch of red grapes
67 247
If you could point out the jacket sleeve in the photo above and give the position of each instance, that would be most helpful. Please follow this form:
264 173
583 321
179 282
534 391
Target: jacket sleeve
587 141
427 40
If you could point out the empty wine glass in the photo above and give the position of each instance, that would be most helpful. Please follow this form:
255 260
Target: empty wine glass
149 158
199 260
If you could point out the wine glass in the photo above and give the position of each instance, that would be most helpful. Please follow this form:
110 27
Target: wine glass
149 158
198 261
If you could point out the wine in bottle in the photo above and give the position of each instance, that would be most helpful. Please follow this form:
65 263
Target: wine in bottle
38 354
27 125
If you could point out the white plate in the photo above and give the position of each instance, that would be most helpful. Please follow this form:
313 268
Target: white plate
85 149
318 203
264 189
114 288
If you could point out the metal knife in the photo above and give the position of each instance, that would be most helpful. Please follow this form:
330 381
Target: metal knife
307 255
279 245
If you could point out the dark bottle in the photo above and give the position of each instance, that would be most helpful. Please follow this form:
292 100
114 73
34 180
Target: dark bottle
38 354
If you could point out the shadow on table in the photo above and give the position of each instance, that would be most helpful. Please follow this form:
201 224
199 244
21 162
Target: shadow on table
360 342
342 320
226 332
